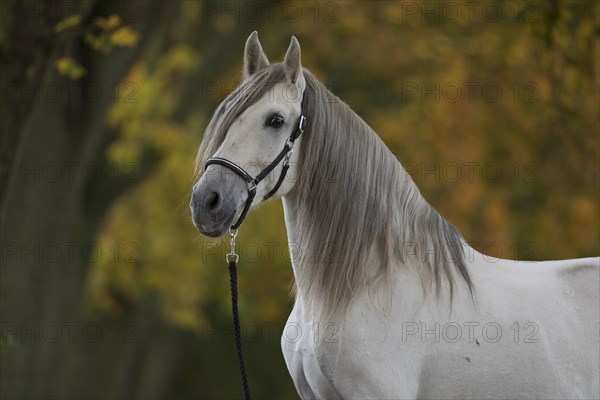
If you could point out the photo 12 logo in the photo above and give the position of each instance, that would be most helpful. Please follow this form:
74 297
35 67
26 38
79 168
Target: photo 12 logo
459 12
68 172
470 332
469 91
269 12
71 332
15 253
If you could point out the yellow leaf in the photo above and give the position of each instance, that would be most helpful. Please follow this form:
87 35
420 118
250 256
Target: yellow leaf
124 37
69 22
108 23
69 67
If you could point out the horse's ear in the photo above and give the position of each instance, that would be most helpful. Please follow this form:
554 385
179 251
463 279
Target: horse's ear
293 65
254 56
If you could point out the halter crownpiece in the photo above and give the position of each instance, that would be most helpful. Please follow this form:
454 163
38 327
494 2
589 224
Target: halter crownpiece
285 155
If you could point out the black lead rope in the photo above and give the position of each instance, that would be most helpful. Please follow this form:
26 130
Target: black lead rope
236 327
232 257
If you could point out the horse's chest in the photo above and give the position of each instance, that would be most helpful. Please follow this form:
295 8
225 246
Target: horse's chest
310 350
363 358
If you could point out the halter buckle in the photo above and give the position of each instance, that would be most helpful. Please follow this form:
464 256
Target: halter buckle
302 123
251 186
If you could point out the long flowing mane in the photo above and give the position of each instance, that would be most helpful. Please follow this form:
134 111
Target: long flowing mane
352 196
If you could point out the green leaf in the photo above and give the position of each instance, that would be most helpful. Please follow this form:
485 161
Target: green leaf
98 42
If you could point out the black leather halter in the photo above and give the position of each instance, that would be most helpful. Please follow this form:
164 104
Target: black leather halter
284 155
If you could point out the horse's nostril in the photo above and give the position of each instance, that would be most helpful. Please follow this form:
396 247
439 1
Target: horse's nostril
213 200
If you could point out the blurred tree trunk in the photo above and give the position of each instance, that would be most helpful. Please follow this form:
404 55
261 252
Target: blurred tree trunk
53 165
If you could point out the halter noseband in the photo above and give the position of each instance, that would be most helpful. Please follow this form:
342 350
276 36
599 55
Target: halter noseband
285 154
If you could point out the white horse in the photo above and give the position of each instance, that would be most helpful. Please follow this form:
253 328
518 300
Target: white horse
390 300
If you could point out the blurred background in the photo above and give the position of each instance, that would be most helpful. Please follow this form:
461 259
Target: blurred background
108 292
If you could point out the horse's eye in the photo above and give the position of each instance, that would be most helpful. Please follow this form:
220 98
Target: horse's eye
274 121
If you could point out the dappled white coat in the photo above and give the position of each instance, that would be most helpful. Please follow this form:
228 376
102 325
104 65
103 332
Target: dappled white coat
532 331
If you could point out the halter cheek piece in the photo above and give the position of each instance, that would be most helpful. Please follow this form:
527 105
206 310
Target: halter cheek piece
284 155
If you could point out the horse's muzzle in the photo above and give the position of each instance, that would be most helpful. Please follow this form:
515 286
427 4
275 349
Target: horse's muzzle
215 202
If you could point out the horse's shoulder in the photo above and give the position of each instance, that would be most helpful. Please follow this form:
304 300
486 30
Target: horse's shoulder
581 277
581 266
